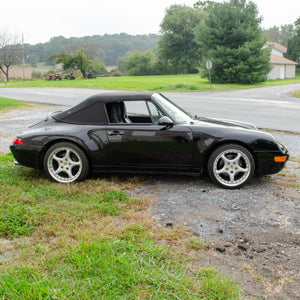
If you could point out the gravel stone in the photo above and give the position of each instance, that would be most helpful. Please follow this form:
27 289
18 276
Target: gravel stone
220 248
243 246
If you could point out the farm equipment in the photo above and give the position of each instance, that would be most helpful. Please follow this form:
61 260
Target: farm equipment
53 77
69 77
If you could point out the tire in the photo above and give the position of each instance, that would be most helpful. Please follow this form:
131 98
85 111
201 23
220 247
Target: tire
231 166
65 163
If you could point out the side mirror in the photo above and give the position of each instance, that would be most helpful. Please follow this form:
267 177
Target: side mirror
165 121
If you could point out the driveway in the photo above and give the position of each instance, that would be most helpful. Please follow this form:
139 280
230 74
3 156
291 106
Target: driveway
267 107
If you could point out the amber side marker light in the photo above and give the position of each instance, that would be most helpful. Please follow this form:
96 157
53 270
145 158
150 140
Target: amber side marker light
280 158
18 141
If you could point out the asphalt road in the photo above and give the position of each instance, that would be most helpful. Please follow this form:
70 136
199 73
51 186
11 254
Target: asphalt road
267 107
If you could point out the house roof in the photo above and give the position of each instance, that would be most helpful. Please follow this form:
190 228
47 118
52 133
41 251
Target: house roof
276 59
277 46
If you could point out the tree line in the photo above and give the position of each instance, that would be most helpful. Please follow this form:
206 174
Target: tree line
229 34
108 47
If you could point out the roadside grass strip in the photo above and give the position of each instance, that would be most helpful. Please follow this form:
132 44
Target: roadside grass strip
92 241
6 103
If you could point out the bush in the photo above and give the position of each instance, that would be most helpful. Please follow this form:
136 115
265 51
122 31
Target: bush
51 71
36 75
76 73
115 72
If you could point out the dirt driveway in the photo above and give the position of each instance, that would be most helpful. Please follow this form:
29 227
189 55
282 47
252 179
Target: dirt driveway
254 232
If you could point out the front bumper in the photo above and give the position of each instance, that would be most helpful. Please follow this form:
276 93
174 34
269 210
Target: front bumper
271 162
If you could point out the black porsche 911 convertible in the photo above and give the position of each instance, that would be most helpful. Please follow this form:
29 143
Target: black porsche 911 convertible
145 132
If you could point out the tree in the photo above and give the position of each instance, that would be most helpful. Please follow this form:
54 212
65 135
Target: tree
273 34
55 45
10 52
177 46
98 66
280 35
77 60
287 31
138 63
293 51
33 59
232 39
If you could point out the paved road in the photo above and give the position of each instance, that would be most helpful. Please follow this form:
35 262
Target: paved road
267 107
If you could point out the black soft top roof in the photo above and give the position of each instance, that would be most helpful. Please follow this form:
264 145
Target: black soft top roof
91 110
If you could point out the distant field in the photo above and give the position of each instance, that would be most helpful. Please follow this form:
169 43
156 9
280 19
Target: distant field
17 72
191 82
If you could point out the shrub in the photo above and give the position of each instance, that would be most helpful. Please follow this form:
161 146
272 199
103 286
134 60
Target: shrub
115 72
36 75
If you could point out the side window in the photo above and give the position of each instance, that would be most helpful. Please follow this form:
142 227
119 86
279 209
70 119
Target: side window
133 112
155 112
137 111
136 108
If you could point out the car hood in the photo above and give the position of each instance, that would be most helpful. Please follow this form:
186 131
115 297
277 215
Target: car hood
225 122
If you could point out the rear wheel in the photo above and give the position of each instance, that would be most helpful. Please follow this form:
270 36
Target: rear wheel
66 163
231 166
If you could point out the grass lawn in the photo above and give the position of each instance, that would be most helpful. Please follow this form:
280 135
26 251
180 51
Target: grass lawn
6 104
191 82
91 240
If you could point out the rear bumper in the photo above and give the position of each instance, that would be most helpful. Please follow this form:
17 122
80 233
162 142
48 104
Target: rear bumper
27 158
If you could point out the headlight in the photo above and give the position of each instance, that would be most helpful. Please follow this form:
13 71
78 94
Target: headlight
281 147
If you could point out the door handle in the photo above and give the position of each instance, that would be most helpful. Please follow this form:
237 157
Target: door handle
115 132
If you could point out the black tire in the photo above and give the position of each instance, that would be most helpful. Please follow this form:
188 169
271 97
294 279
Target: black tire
231 166
65 163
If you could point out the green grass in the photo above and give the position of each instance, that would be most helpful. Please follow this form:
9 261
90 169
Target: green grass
6 103
113 269
296 94
90 240
191 82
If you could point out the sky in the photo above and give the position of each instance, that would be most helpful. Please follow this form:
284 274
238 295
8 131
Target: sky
40 20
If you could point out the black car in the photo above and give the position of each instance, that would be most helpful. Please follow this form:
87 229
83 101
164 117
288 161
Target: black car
145 132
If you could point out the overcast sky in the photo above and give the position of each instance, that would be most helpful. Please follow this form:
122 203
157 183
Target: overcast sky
41 20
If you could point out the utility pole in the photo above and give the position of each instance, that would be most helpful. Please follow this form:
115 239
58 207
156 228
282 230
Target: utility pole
23 57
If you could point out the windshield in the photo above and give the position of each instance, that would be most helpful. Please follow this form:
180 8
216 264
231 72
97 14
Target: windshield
175 112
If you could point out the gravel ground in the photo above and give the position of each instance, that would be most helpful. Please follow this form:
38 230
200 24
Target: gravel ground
256 230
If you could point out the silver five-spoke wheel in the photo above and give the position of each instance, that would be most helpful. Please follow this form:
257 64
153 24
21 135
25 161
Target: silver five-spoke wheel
65 163
231 166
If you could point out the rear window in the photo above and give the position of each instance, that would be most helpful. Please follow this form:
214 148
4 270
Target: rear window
93 115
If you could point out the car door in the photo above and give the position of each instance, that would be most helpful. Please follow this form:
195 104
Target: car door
145 145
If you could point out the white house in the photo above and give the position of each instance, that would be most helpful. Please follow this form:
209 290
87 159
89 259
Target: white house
282 67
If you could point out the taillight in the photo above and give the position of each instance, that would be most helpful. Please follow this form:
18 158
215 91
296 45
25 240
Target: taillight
18 141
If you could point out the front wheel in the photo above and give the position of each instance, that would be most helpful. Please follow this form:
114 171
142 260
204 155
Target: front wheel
231 166
66 163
